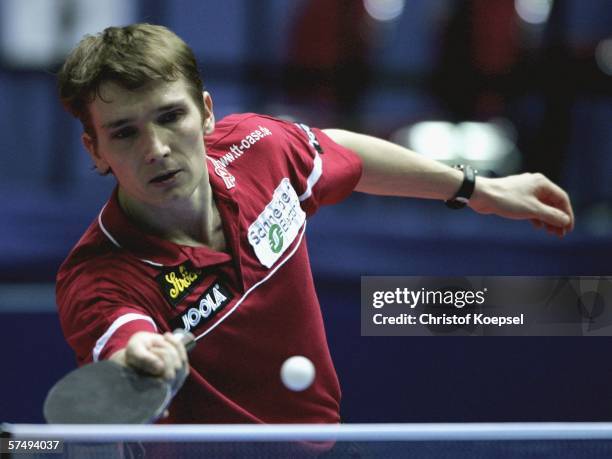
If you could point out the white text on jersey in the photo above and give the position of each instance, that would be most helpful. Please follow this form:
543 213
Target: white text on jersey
237 150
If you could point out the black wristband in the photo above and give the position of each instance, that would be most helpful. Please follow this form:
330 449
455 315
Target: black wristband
463 195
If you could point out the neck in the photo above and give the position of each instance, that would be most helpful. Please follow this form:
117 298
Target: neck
194 221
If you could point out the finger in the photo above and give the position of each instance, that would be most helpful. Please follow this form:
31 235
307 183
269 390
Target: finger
570 212
178 338
139 355
174 355
164 352
175 341
563 204
555 231
555 196
179 356
151 364
552 216
176 371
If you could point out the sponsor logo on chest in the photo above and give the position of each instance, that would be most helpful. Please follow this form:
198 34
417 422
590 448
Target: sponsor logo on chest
278 225
213 300
178 281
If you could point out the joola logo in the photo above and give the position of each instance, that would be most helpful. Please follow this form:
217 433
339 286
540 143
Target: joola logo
177 282
215 298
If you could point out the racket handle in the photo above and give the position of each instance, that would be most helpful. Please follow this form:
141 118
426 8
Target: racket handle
186 338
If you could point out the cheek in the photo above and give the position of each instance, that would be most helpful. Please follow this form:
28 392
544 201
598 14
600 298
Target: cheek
117 163
121 163
193 137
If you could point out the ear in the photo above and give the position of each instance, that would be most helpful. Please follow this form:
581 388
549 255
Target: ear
90 145
209 118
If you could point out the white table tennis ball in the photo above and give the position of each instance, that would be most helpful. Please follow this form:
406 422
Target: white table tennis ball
297 373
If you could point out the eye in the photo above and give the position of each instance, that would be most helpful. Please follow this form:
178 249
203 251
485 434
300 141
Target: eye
123 133
171 116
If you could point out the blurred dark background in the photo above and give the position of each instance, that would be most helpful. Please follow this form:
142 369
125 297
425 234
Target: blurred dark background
508 85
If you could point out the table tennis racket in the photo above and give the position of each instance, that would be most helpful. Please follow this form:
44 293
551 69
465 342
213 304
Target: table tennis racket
106 392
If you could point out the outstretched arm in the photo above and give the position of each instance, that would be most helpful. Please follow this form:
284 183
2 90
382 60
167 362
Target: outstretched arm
389 169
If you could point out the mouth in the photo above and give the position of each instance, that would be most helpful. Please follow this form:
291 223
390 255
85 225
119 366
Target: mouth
165 176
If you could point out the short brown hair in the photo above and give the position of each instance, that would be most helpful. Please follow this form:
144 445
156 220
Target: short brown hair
130 56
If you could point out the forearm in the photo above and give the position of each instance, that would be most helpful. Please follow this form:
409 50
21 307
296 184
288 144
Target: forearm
389 169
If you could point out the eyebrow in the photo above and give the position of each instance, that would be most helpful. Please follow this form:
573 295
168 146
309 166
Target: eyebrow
164 108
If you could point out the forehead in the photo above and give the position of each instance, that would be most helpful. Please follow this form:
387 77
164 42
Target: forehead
114 102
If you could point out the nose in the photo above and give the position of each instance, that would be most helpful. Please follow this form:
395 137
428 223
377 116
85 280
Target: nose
155 145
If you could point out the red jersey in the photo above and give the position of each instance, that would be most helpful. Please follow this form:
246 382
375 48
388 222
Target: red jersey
250 307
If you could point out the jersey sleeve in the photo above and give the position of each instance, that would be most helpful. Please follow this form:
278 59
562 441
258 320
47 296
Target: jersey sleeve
99 313
323 172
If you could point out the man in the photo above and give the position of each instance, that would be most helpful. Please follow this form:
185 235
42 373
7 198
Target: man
205 229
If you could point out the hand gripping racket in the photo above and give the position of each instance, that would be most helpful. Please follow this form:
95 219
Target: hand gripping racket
109 393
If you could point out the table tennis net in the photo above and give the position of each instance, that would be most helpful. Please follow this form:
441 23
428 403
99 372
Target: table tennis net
440 441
